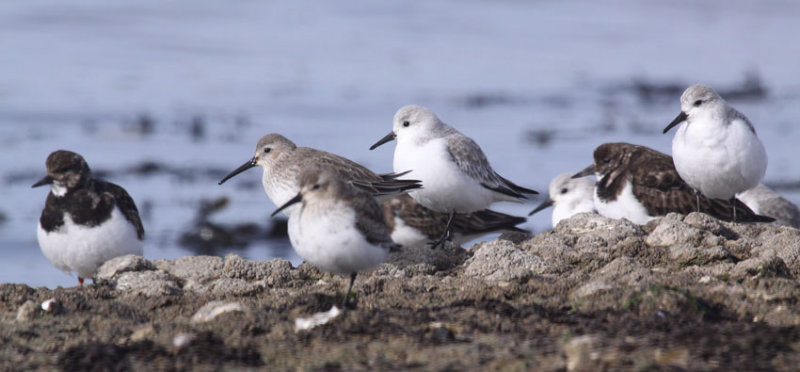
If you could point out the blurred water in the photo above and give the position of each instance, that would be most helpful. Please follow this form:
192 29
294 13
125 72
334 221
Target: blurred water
81 75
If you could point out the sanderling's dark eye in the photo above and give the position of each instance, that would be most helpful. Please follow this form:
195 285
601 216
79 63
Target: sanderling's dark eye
564 190
698 102
267 150
315 187
406 123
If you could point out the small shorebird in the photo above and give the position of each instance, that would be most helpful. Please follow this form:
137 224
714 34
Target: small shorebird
282 161
456 176
716 150
85 221
337 227
568 196
640 184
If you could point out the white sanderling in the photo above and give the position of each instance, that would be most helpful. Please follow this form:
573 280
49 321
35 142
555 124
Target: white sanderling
85 221
568 196
765 201
456 176
716 150
282 161
412 225
337 227
640 184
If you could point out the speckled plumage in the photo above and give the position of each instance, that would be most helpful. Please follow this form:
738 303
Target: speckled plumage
282 161
652 179
335 226
411 224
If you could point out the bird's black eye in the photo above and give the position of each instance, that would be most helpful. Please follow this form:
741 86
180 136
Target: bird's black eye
267 150
406 123
606 160
315 187
698 102
564 190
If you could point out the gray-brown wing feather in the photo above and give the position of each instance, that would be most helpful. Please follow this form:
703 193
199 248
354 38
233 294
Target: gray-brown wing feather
357 174
471 160
369 220
486 221
432 224
784 211
124 203
424 220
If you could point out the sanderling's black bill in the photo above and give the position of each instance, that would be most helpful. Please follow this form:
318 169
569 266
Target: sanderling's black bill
389 137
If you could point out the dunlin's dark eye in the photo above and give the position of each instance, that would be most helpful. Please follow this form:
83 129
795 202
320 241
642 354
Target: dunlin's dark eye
406 123
267 150
315 187
606 160
698 102
564 190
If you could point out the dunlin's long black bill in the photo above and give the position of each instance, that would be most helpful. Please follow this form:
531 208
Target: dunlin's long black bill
250 163
389 137
545 204
588 171
297 198
46 180
679 119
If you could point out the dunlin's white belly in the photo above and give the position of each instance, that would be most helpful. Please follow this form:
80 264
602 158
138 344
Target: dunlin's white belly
328 239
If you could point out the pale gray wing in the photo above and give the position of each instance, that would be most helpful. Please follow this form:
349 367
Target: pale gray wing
734 114
784 211
470 159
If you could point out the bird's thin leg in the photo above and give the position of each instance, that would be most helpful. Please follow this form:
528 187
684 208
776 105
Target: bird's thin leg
697 199
80 281
733 207
349 287
447 233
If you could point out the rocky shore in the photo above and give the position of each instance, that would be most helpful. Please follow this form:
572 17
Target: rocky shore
679 293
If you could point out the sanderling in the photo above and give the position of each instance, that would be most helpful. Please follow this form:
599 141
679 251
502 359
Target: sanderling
765 201
282 161
716 150
640 184
85 221
337 227
568 196
412 225
456 176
